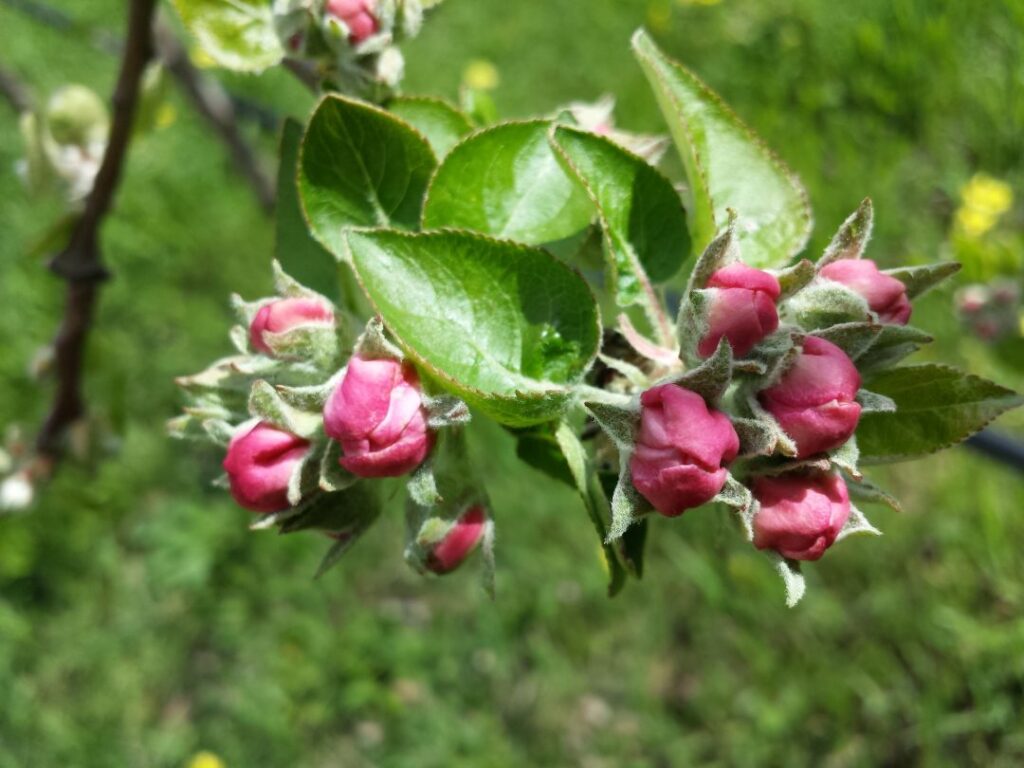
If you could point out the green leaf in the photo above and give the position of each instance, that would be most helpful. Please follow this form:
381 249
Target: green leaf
506 327
589 486
894 343
631 547
936 406
439 121
237 34
853 235
792 578
712 377
506 181
538 448
294 247
727 166
925 277
640 211
360 166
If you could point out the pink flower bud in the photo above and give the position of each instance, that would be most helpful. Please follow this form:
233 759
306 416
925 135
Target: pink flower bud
800 516
284 315
681 449
886 295
814 400
458 544
376 413
259 464
742 309
358 17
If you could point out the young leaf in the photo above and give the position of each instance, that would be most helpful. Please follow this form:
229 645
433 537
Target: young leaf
352 509
712 377
727 166
237 34
792 578
442 124
296 250
640 212
865 490
853 235
589 486
538 448
857 524
924 278
894 343
737 496
505 327
360 166
853 338
936 406
505 181
794 278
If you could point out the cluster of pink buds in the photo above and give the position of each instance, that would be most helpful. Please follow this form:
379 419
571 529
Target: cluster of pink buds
357 15
298 451
765 418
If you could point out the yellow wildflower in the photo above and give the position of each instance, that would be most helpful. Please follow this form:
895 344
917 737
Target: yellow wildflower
481 75
206 760
984 201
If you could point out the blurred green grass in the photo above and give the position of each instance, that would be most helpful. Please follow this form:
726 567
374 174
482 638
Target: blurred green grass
141 622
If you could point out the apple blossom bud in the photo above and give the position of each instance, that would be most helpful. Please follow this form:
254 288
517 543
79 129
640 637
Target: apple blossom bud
284 315
742 308
814 402
458 544
259 463
800 516
886 296
358 16
376 413
681 449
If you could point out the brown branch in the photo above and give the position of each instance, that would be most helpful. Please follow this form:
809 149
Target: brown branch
304 72
14 91
80 263
214 104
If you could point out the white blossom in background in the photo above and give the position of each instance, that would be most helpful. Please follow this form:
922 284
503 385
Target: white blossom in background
65 143
598 117
16 492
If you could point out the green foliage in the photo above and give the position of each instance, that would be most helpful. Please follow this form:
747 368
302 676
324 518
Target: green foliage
641 214
936 406
360 166
506 181
727 166
504 326
237 34
440 122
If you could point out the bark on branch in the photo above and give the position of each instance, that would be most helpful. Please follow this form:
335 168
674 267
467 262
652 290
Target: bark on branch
80 263
14 91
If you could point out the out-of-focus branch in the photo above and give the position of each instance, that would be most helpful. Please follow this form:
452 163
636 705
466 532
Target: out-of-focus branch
14 91
80 263
214 103
305 73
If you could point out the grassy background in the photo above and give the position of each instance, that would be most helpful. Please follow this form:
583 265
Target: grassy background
140 622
